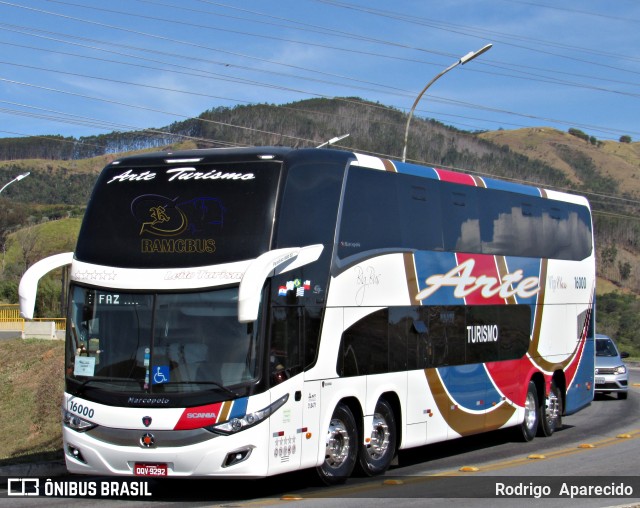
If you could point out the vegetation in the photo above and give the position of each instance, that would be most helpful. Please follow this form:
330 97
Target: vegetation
579 134
618 315
27 245
31 390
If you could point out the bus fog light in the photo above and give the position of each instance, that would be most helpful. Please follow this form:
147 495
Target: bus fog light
237 456
72 451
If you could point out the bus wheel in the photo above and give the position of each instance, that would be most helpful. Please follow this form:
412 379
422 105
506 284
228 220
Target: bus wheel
529 426
552 411
376 455
341 450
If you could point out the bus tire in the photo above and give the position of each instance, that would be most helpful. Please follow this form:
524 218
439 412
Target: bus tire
375 456
551 411
529 426
341 447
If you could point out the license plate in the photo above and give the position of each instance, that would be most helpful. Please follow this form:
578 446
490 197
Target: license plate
600 381
150 469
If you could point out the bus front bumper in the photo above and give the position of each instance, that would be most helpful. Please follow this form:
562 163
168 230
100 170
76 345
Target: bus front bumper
165 453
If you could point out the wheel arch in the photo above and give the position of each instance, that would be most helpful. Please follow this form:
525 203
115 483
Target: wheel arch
355 407
541 390
561 382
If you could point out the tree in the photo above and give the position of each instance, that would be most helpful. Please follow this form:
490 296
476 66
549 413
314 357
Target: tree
29 241
609 254
579 134
625 139
625 269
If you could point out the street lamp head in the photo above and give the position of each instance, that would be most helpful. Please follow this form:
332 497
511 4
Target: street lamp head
466 58
23 175
472 54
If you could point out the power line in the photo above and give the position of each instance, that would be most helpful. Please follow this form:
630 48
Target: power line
459 29
208 74
311 70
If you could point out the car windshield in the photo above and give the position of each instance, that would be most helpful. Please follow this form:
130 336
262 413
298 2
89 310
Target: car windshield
605 347
158 343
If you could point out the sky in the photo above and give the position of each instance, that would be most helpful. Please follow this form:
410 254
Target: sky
87 67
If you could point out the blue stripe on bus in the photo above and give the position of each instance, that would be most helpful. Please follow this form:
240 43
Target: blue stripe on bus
411 169
239 408
470 386
511 187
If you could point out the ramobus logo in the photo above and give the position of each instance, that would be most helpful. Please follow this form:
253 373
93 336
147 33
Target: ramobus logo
461 278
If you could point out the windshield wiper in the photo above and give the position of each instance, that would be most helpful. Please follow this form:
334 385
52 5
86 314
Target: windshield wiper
215 383
98 379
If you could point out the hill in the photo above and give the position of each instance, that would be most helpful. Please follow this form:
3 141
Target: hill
63 170
579 159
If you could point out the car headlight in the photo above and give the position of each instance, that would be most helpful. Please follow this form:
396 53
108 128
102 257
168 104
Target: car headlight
249 420
621 370
76 423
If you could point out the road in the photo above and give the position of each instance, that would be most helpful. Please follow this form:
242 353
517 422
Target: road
597 446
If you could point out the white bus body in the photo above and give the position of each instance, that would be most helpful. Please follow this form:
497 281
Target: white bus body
247 312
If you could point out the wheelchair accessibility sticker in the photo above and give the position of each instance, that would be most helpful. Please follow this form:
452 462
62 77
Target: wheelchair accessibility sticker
160 374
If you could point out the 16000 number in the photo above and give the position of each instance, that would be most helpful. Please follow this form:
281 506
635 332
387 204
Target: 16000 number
80 409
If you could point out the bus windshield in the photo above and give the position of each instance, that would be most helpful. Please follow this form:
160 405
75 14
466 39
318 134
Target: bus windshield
168 217
158 343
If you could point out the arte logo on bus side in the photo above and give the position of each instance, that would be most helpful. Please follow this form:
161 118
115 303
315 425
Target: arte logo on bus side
460 277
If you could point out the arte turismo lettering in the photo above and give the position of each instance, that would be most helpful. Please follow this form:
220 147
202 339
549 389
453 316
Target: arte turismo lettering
461 278
178 246
181 174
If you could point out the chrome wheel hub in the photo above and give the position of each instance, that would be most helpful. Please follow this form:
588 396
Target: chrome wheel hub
553 407
337 448
530 412
380 436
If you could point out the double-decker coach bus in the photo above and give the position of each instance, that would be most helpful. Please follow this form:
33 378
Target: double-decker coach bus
247 312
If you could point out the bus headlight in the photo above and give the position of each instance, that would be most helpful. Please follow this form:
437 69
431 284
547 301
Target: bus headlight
76 423
249 420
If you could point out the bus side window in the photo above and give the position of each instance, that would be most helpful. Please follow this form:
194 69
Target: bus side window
460 211
285 353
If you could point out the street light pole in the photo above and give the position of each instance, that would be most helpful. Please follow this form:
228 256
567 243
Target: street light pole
16 179
466 58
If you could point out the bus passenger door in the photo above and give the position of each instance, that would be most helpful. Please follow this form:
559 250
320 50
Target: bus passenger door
286 378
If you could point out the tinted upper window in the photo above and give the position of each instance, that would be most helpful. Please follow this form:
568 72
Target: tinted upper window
188 215
391 211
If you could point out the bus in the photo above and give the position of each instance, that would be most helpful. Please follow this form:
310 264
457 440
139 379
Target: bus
247 312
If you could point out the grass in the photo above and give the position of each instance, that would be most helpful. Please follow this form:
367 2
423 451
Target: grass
31 388
52 237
